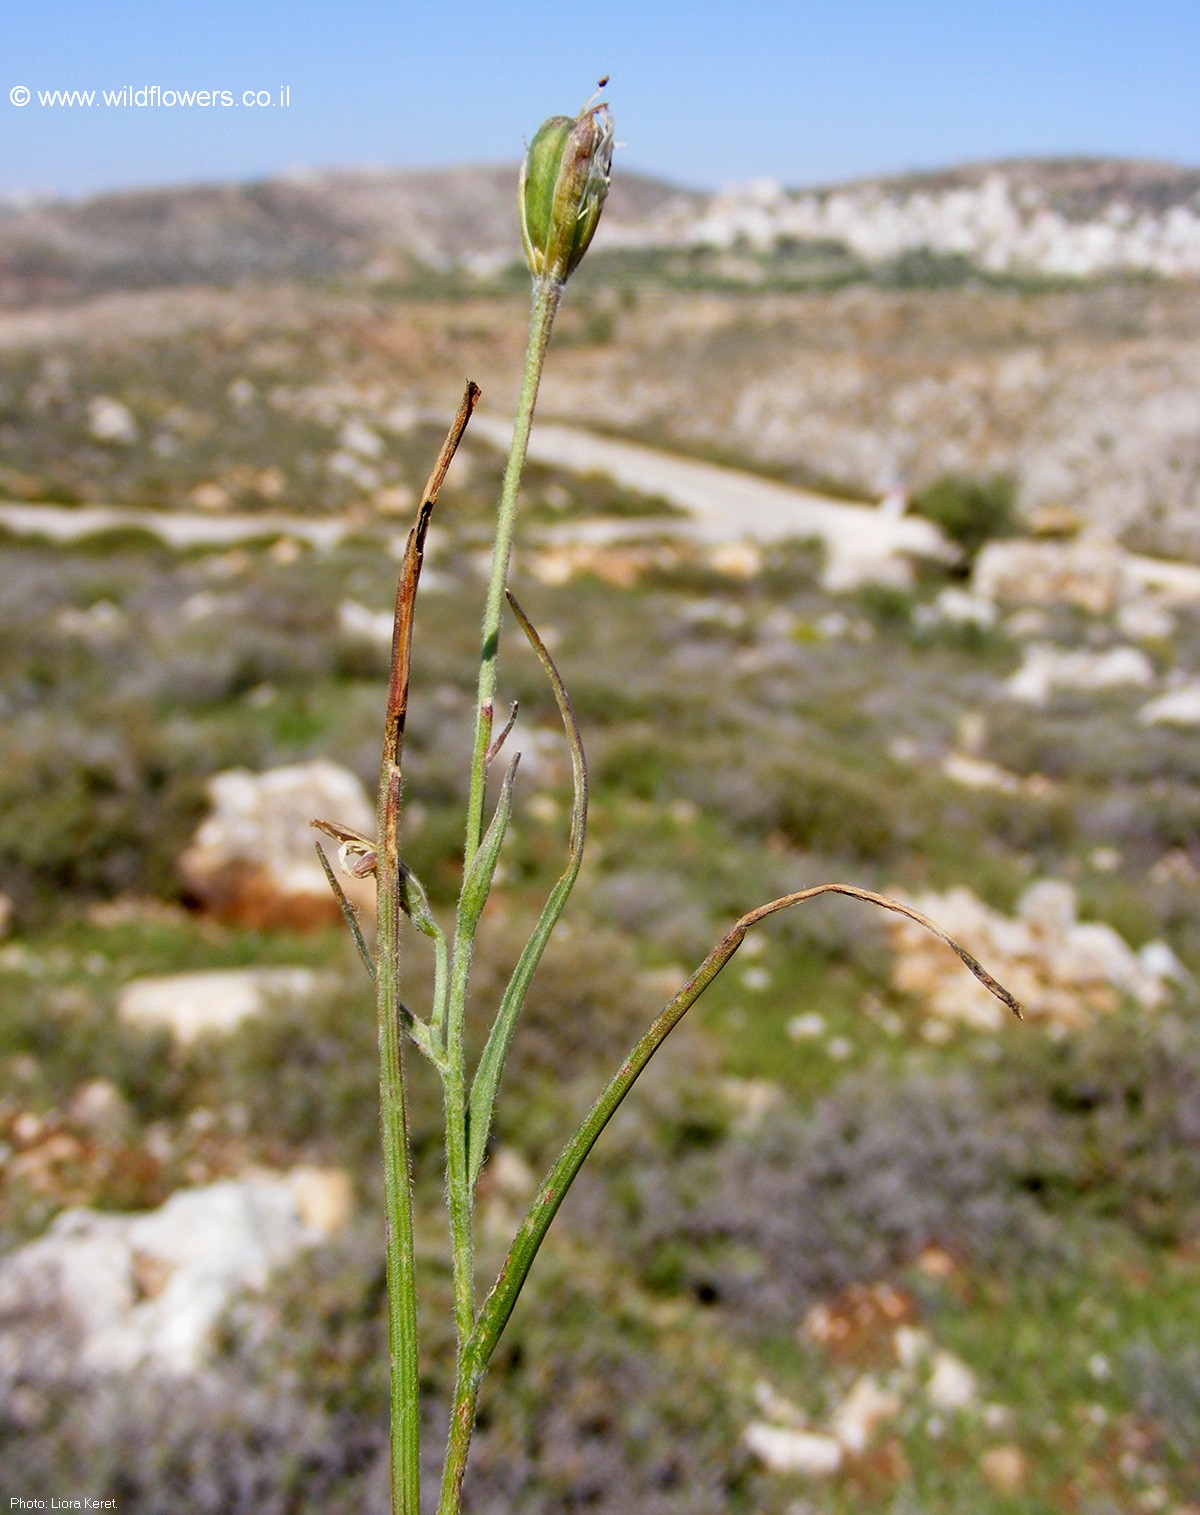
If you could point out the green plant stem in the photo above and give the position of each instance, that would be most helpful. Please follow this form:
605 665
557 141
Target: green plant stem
397 1175
491 1062
441 985
546 295
472 897
462 1424
394 886
458 1189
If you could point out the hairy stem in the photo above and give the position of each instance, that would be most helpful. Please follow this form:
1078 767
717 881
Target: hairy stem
462 1423
405 1390
401 1271
459 1188
458 1191
546 295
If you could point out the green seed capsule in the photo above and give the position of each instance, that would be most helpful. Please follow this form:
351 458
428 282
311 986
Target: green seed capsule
564 180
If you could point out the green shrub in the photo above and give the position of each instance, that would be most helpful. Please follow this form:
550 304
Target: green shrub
971 511
91 813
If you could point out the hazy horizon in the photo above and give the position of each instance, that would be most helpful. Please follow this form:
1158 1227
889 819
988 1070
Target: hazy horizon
302 172
803 93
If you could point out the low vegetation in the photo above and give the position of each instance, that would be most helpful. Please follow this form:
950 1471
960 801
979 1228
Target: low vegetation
1031 1199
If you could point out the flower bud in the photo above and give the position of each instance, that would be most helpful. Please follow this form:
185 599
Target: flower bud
564 180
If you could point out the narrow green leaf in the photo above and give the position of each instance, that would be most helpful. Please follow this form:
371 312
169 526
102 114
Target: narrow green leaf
498 1306
478 882
348 911
415 903
491 1065
419 1034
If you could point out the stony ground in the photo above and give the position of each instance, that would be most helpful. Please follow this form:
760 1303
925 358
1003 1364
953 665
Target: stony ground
853 1245
1085 395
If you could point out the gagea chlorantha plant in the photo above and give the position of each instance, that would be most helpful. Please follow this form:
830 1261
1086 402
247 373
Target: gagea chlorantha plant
562 188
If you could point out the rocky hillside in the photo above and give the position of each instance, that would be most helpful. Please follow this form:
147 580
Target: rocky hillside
1087 395
383 224
1073 217
1059 217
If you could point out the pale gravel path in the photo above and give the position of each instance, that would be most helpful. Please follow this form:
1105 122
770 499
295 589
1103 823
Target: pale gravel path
726 504
722 505
178 528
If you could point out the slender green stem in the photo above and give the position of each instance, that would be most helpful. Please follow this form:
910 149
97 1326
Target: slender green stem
441 983
546 295
397 1175
459 1194
491 1062
458 1190
478 868
396 888
462 1424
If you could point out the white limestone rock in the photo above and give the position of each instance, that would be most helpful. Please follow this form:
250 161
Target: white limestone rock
103 1294
978 773
365 625
1178 707
213 1002
1088 572
1061 969
781 1449
1046 668
952 1384
956 607
866 1408
253 859
109 420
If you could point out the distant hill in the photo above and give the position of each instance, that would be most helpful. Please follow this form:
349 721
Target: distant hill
378 224
1075 217
1081 189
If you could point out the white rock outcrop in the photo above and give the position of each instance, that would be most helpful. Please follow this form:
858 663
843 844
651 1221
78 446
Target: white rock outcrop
952 1385
1087 571
999 219
107 1294
784 1442
1177 707
253 860
1046 668
1060 968
783 1449
110 420
866 1408
365 625
213 1002
955 607
977 773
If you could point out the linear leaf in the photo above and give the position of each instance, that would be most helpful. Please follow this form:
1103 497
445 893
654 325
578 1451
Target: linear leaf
498 1306
491 1065
478 882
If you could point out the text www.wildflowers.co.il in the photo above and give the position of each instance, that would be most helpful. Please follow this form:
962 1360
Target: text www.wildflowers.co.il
151 97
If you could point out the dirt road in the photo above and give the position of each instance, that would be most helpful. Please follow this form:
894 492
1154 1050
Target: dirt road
723 505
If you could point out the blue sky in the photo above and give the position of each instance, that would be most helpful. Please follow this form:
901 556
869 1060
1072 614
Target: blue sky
704 94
